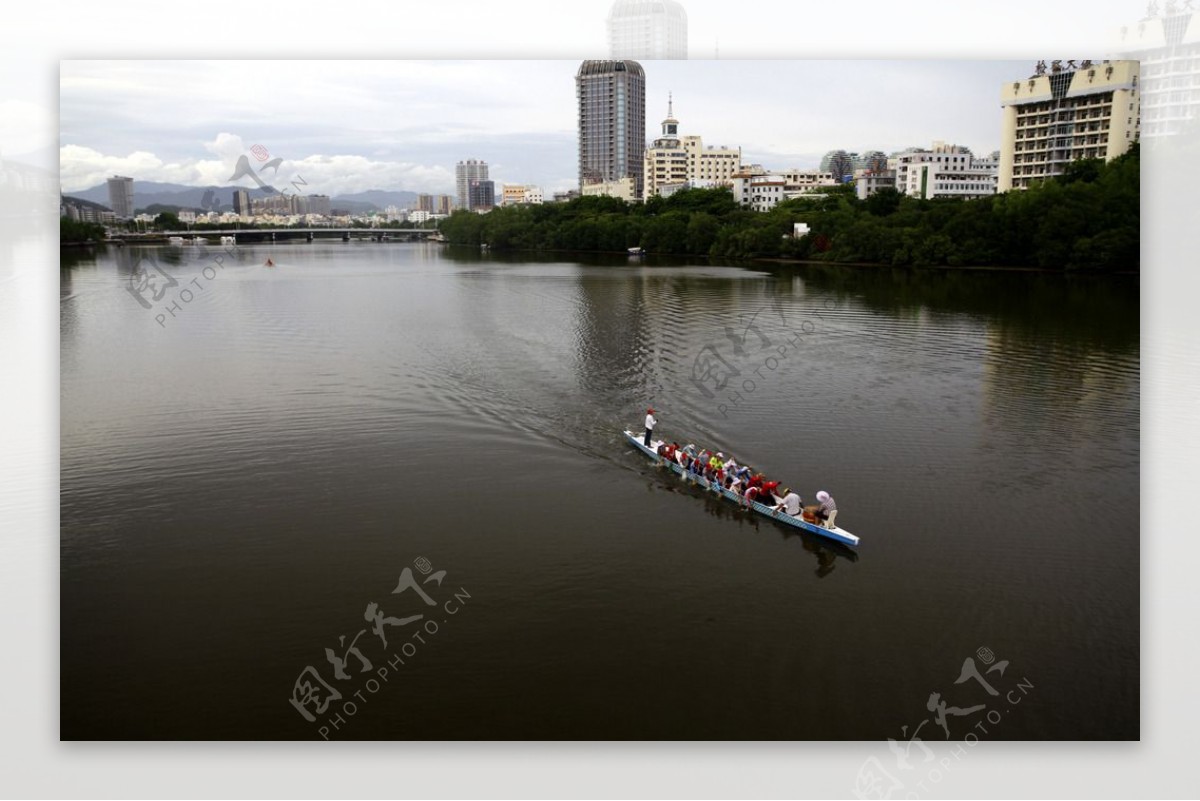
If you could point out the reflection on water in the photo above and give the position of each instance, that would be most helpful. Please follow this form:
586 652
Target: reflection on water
293 435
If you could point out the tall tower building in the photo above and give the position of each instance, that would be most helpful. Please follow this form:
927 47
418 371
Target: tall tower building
1063 113
464 173
647 29
120 196
612 121
241 202
481 195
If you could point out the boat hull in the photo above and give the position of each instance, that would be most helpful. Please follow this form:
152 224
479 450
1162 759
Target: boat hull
837 534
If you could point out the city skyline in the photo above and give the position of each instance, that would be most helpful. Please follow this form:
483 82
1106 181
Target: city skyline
128 118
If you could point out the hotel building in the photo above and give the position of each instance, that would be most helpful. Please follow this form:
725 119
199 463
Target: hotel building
1064 113
611 98
673 162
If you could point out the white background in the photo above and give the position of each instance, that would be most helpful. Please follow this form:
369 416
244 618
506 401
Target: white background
34 763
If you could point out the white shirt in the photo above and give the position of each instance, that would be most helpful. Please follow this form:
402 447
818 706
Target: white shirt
650 422
791 504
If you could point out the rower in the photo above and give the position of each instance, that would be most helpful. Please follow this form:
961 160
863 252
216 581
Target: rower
768 488
731 466
827 511
791 503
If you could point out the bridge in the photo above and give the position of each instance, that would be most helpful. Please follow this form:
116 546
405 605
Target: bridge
246 235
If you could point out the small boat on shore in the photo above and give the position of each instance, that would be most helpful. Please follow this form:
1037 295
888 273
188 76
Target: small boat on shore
637 251
837 533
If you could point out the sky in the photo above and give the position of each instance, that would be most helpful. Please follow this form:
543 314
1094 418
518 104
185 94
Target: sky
349 126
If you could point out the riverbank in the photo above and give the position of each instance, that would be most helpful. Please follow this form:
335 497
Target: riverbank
1088 219
993 268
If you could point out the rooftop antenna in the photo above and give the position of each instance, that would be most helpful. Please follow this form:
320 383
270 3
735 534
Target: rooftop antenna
670 106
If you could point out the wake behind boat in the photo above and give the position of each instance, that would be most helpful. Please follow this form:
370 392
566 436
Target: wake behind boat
836 533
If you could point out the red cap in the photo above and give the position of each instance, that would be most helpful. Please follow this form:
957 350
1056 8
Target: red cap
649 411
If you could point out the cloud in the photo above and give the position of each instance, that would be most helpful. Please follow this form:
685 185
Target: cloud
331 174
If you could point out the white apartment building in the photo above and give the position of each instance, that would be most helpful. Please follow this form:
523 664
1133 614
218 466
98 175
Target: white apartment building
1064 113
1168 48
673 162
762 190
942 171
758 192
869 183
533 196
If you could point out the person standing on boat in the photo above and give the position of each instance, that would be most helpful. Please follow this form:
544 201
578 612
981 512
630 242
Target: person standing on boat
651 422
827 511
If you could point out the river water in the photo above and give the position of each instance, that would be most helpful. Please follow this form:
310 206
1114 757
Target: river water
309 456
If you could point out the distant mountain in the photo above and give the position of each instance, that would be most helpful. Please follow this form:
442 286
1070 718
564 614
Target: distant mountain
220 198
85 203
154 193
379 198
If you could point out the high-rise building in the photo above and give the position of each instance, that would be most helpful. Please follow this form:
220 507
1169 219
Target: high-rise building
319 204
425 203
445 204
611 99
874 161
647 29
466 172
241 202
1168 48
481 195
673 162
1063 113
839 163
120 196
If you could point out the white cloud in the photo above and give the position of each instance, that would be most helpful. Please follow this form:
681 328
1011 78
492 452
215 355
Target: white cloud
83 167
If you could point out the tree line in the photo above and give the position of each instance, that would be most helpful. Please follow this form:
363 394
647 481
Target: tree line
1085 219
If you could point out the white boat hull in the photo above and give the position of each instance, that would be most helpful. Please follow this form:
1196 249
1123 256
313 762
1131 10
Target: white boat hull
837 533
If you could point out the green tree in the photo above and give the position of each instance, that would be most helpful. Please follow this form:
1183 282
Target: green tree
168 221
72 231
